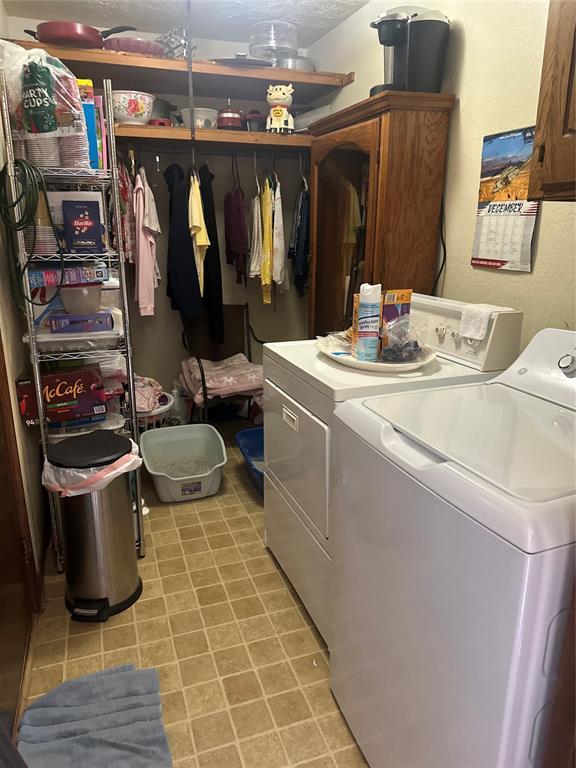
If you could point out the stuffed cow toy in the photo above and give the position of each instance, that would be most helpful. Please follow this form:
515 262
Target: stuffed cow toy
279 120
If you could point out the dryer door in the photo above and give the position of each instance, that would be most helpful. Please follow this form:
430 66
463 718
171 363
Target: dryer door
296 452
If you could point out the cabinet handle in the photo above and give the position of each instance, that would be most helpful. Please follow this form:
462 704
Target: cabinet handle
541 152
290 418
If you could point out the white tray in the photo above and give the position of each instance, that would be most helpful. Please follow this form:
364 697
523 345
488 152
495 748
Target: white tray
425 356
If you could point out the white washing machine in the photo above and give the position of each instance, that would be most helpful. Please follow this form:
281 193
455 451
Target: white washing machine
302 388
454 557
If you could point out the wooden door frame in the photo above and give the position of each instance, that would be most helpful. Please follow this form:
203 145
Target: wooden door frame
32 580
366 137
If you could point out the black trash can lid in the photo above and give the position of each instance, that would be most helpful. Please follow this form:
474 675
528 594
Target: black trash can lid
96 449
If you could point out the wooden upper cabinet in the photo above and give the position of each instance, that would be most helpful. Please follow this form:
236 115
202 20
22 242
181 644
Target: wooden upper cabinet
554 161
377 174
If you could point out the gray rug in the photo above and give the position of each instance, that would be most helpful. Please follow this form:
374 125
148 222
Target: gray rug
111 718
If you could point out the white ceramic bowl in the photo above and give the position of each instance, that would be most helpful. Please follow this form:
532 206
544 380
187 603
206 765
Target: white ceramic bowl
81 299
204 119
132 107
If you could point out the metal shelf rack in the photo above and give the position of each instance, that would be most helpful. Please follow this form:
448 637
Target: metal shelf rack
84 179
89 354
108 257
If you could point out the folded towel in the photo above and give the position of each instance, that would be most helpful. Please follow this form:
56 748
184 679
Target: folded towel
35 734
108 718
475 320
134 746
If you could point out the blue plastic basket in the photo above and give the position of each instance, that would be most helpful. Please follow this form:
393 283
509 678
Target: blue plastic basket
251 444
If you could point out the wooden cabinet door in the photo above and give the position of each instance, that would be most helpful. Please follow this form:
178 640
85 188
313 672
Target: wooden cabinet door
348 156
412 157
554 161
17 578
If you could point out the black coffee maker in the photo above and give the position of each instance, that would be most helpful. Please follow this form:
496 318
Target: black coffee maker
415 41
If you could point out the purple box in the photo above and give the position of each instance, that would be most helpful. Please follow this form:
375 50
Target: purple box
63 323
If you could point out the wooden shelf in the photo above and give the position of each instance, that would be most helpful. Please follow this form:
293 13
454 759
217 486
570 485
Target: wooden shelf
170 76
297 141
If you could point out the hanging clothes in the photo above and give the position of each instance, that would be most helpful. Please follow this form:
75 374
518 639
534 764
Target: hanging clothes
352 220
212 297
237 246
280 274
151 220
183 286
267 205
299 247
200 240
256 238
127 220
147 227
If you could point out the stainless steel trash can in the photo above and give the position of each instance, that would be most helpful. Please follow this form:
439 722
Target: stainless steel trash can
98 536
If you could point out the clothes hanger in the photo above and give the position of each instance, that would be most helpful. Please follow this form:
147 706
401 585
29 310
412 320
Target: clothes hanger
236 173
256 175
302 175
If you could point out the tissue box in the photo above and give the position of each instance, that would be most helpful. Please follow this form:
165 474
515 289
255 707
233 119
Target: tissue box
50 278
96 323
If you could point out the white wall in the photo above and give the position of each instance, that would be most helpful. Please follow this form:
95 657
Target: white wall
493 67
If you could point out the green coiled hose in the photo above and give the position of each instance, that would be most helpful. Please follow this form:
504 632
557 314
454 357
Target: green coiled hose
31 184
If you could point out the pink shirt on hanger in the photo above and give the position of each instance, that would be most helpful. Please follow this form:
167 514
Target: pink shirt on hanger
146 277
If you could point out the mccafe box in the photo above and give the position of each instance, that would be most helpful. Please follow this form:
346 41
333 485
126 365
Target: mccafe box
73 394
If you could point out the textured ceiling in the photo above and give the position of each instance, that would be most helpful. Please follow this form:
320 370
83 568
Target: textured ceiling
214 19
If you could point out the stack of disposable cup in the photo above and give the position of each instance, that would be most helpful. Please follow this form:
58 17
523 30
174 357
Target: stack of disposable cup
19 149
74 151
42 150
45 244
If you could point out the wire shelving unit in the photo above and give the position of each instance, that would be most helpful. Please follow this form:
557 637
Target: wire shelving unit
82 179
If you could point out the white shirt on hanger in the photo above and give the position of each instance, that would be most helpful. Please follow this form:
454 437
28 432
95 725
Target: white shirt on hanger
256 239
279 266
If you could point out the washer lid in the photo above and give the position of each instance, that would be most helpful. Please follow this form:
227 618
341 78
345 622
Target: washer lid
520 443
96 449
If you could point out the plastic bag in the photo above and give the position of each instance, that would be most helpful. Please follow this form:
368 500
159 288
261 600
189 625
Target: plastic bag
335 342
46 113
399 342
69 481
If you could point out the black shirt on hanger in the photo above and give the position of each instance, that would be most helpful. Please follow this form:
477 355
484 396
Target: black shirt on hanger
183 286
212 270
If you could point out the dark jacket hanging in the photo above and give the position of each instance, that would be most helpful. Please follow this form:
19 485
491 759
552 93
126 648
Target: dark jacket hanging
183 287
212 270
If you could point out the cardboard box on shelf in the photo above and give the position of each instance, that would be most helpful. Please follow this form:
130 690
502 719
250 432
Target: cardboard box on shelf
51 276
90 323
70 394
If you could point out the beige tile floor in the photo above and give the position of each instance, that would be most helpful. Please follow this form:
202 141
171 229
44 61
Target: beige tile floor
243 671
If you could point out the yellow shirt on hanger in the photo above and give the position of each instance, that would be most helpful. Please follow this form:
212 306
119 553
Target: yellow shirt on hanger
198 231
267 237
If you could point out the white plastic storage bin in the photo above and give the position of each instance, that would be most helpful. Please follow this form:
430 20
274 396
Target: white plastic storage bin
185 462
